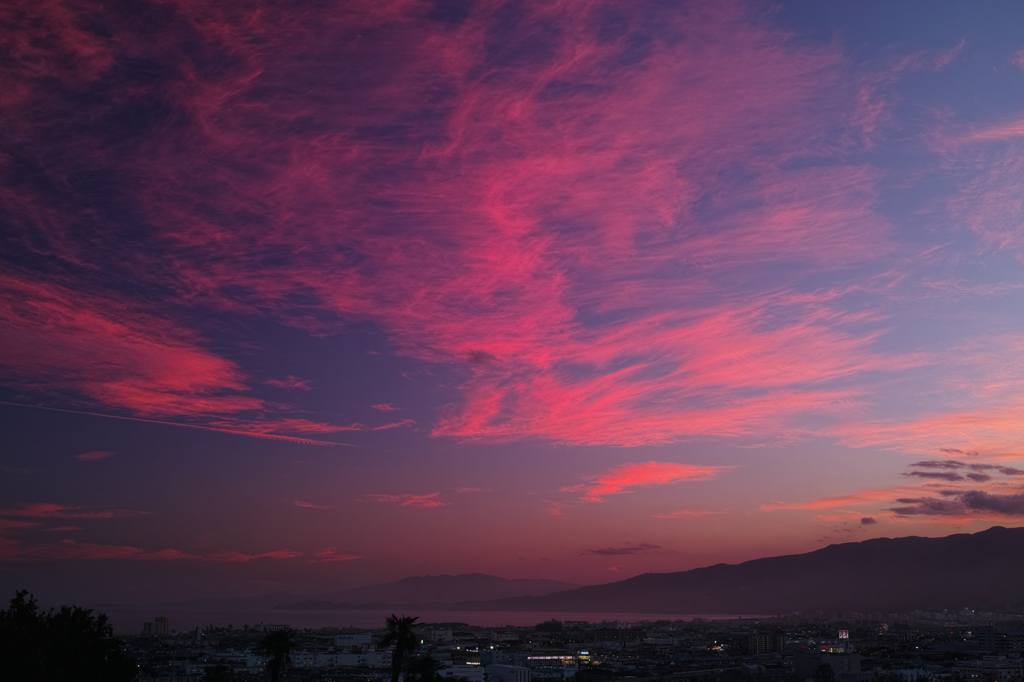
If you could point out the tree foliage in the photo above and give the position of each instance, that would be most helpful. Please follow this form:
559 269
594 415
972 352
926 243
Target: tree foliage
279 645
59 645
424 669
400 634
549 626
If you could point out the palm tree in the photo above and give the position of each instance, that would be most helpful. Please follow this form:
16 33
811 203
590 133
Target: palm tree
424 669
278 645
401 635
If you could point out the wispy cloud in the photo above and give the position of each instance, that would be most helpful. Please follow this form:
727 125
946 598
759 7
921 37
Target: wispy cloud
627 477
310 505
290 383
408 500
626 549
332 555
687 514
71 550
44 510
93 455
595 275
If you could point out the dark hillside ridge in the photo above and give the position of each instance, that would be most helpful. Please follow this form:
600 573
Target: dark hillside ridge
981 571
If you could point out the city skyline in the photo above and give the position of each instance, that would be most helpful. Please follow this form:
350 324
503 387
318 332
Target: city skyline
307 296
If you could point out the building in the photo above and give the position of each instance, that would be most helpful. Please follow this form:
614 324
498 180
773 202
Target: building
618 634
765 642
1000 640
436 636
499 657
159 626
507 673
473 673
552 667
811 665
998 668
361 640
329 659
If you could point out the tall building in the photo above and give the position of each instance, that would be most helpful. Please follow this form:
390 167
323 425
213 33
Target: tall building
808 666
159 626
765 642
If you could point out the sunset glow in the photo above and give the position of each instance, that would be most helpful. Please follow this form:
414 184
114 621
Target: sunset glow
307 296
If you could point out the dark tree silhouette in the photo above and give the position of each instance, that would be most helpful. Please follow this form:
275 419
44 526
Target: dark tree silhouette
400 634
424 669
59 645
824 673
278 645
549 626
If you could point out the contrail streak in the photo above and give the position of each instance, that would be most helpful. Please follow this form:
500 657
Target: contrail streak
290 439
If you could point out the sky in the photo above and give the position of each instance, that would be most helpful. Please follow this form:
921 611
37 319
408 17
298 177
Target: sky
310 295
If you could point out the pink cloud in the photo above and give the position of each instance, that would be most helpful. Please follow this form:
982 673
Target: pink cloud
623 478
256 431
71 550
409 500
290 383
331 555
861 498
545 211
1000 132
14 524
113 353
235 557
949 56
49 510
687 514
119 356
310 505
385 407
93 455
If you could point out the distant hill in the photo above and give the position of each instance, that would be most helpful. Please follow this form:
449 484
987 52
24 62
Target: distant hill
982 570
431 590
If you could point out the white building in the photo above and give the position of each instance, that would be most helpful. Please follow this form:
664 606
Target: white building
998 668
437 636
508 673
473 673
331 659
361 640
